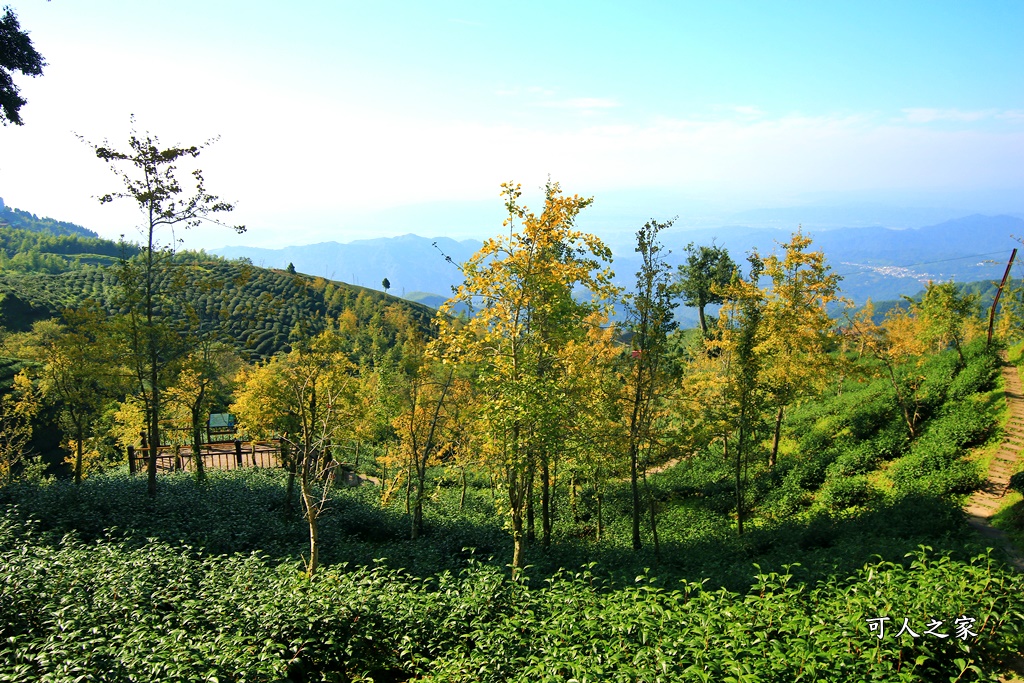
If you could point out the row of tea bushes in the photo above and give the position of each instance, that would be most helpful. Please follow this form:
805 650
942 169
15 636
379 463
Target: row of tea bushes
108 611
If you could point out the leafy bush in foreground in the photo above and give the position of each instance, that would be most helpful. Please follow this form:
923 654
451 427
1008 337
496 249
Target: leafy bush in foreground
107 612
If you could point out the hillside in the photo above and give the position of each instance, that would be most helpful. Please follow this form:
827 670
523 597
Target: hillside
856 524
23 220
252 308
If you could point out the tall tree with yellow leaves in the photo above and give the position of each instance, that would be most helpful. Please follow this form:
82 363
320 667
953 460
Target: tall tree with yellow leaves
796 328
309 398
521 291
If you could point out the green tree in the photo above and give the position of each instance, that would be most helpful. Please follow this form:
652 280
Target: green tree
740 325
898 347
148 173
648 323
946 314
707 271
16 54
386 284
423 426
205 371
79 370
290 269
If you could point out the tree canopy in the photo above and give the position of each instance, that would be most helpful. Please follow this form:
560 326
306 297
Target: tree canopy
16 54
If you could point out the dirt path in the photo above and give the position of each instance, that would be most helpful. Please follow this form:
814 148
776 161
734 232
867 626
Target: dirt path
984 502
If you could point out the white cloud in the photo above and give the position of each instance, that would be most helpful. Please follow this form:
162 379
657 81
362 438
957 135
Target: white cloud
581 103
304 167
929 115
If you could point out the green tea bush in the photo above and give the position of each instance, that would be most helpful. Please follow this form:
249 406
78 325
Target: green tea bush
892 440
105 611
937 472
810 471
964 423
1017 482
979 374
870 410
859 459
845 492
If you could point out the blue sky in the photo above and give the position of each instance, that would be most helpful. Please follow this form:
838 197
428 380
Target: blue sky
343 120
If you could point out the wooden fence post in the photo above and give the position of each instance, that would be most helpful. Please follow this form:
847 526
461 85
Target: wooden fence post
238 452
131 459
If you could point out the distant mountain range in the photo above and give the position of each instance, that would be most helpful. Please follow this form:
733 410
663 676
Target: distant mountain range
875 262
411 263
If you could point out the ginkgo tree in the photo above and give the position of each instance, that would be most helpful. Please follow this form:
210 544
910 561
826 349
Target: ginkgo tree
796 329
18 409
897 346
740 387
309 399
423 424
522 290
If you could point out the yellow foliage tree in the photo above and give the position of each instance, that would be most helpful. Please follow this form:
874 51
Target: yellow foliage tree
17 409
309 398
521 291
897 345
796 329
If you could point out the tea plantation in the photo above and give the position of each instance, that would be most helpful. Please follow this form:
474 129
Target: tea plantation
857 566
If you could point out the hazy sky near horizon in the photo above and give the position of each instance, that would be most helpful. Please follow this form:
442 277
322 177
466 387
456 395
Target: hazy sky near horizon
346 120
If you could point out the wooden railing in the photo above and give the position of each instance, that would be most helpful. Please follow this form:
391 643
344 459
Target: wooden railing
226 455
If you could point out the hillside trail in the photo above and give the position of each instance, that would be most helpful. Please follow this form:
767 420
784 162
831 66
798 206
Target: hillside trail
984 502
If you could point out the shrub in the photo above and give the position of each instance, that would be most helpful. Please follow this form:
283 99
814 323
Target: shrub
859 459
979 375
846 492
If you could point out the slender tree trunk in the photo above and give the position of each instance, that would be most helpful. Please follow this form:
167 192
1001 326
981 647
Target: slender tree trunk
635 488
545 503
311 519
462 497
79 437
197 443
531 535
772 459
517 541
703 322
909 419
600 515
739 475
654 525
417 516
154 434
572 499
408 490
291 465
